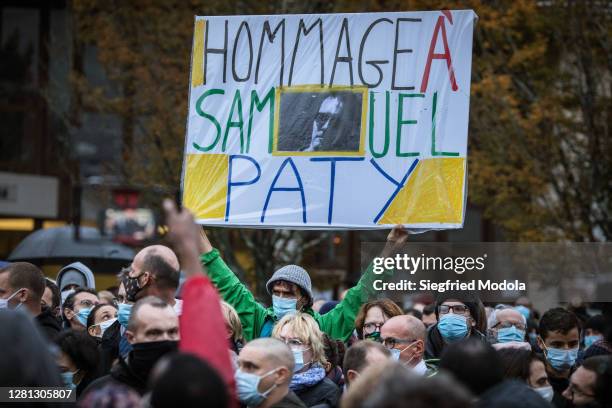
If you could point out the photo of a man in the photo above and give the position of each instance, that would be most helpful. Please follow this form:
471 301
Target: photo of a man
320 121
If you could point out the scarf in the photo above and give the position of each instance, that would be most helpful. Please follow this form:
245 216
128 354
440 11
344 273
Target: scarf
308 378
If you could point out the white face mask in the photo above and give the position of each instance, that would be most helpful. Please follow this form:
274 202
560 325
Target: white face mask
105 325
545 392
4 302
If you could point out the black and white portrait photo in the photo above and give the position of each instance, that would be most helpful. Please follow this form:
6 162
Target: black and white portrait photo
320 121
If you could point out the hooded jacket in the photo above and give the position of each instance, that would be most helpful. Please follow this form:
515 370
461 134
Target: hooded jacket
79 267
338 323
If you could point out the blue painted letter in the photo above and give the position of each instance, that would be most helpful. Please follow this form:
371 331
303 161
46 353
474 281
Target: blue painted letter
332 180
273 188
231 183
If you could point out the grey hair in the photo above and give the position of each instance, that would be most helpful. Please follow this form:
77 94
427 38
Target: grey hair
492 321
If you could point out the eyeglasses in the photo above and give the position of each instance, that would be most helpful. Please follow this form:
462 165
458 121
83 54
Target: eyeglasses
390 342
507 325
456 309
87 303
573 390
294 343
372 327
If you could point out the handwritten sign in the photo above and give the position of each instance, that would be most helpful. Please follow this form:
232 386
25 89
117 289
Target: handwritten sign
329 121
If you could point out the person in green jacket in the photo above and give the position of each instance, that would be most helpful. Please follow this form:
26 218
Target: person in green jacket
291 290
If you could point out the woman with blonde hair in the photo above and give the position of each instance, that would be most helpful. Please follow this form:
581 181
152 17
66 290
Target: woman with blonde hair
309 382
233 326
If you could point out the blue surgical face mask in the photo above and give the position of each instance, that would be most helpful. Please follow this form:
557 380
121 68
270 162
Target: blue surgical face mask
523 310
396 353
123 313
453 327
82 315
561 359
282 306
298 357
506 334
589 340
4 302
67 379
247 387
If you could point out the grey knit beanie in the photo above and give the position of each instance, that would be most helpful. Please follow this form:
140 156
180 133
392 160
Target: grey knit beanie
294 274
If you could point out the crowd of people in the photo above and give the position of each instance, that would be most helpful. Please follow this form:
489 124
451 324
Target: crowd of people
182 330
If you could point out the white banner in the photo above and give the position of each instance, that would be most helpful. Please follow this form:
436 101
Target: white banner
329 121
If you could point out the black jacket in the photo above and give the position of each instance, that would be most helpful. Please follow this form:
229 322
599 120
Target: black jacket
323 394
120 373
434 344
559 385
89 379
109 348
48 324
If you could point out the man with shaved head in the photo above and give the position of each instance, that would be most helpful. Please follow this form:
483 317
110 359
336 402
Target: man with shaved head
265 368
404 336
155 272
153 331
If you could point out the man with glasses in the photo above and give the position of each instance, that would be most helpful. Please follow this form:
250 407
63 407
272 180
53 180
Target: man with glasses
507 328
77 306
124 310
459 315
404 337
591 384
329 111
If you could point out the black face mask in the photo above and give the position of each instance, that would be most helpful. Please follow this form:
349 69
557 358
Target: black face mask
144 356
131 288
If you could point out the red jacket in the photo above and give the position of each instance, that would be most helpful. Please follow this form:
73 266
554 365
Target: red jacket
203 329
